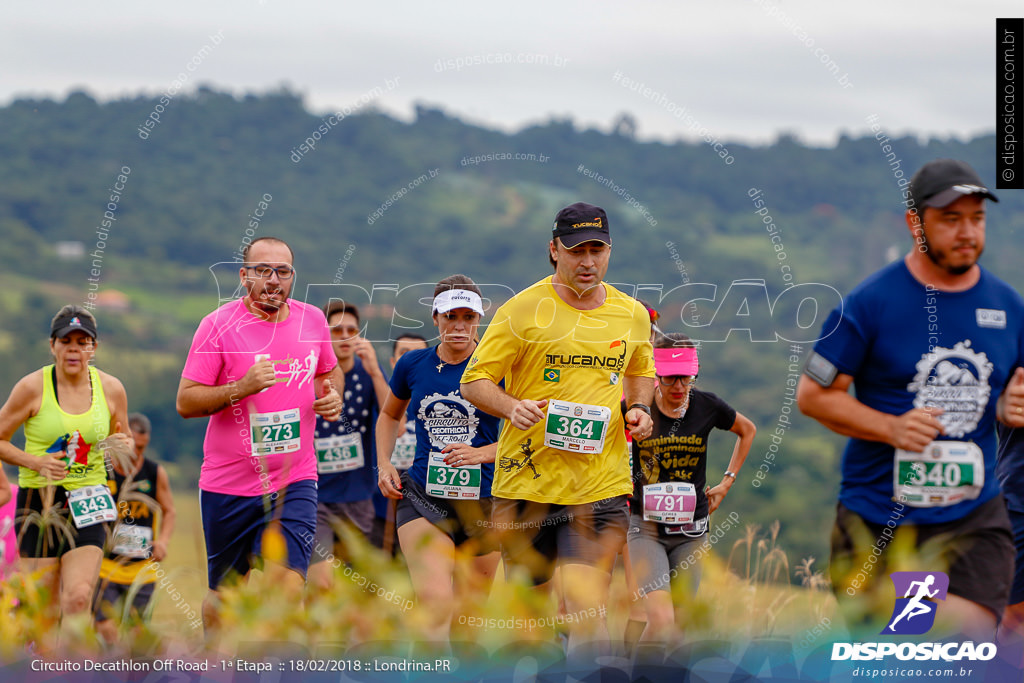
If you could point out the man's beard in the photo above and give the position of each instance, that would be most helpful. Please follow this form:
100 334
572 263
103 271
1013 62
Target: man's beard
937 257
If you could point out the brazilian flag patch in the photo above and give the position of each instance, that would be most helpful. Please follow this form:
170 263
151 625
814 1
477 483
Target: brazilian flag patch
552 375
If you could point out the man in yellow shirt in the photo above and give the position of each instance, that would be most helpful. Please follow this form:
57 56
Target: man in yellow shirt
567 347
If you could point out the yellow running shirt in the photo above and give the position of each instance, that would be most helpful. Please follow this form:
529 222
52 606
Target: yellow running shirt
546 349
74 437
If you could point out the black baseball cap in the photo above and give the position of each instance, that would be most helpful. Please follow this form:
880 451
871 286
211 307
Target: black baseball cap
579 223
66 324
941 182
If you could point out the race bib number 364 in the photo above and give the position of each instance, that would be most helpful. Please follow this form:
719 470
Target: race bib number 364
576 426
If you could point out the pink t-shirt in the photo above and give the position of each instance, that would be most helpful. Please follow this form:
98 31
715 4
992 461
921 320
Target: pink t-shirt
8 537
262 442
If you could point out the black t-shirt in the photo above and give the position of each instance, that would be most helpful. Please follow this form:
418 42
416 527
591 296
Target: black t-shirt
677 449
133 509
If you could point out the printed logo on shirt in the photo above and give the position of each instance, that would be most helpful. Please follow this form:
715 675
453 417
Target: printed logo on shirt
448 418
552 375
298 371
75 448
990 317
507 463
955 380
585 360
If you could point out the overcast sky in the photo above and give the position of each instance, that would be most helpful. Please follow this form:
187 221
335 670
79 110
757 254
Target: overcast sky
744 69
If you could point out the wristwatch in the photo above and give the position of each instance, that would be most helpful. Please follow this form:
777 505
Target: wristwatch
641 406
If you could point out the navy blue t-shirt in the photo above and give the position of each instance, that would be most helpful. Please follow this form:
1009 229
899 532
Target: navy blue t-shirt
908 346
358 416
441 415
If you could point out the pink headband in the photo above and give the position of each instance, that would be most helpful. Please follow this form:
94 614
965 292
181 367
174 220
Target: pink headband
681 361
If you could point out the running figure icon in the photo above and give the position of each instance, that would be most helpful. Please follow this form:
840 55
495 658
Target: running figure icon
916 607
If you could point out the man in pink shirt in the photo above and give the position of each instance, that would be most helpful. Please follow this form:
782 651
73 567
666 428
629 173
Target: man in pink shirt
256 367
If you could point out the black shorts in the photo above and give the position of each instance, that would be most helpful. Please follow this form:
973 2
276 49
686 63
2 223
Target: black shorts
461 520
45 534
1017 593
976 552
537 535
329 516
110 597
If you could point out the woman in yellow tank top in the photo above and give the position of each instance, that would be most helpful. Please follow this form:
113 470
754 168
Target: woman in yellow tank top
72 414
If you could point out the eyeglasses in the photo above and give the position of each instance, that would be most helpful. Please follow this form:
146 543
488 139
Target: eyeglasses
263 271
669 380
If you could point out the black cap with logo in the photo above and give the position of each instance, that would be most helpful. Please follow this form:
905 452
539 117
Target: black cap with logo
579 223
941 182
66 324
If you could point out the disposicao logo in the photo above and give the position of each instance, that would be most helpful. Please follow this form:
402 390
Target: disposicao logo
914 613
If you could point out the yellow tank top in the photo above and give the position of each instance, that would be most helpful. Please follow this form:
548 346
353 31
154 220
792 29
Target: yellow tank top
74 437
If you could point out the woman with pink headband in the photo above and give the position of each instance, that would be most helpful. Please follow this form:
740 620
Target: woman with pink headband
671 502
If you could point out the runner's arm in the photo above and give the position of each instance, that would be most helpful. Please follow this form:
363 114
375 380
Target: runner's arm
119 443
492 399
202 400
364 349
638 389
22 404
457 454
1012 400
5 489
745 430
165 500
329 405
838 410
388 423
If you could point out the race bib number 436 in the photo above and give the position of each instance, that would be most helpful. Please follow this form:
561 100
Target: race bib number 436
576 426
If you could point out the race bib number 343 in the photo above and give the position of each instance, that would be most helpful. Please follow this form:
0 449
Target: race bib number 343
576 426
91 505
275 432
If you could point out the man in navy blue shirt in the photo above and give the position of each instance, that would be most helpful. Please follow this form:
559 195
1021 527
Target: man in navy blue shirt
346 449
931 344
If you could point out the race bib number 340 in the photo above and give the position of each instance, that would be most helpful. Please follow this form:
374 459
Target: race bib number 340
945 473
576 426
275 432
